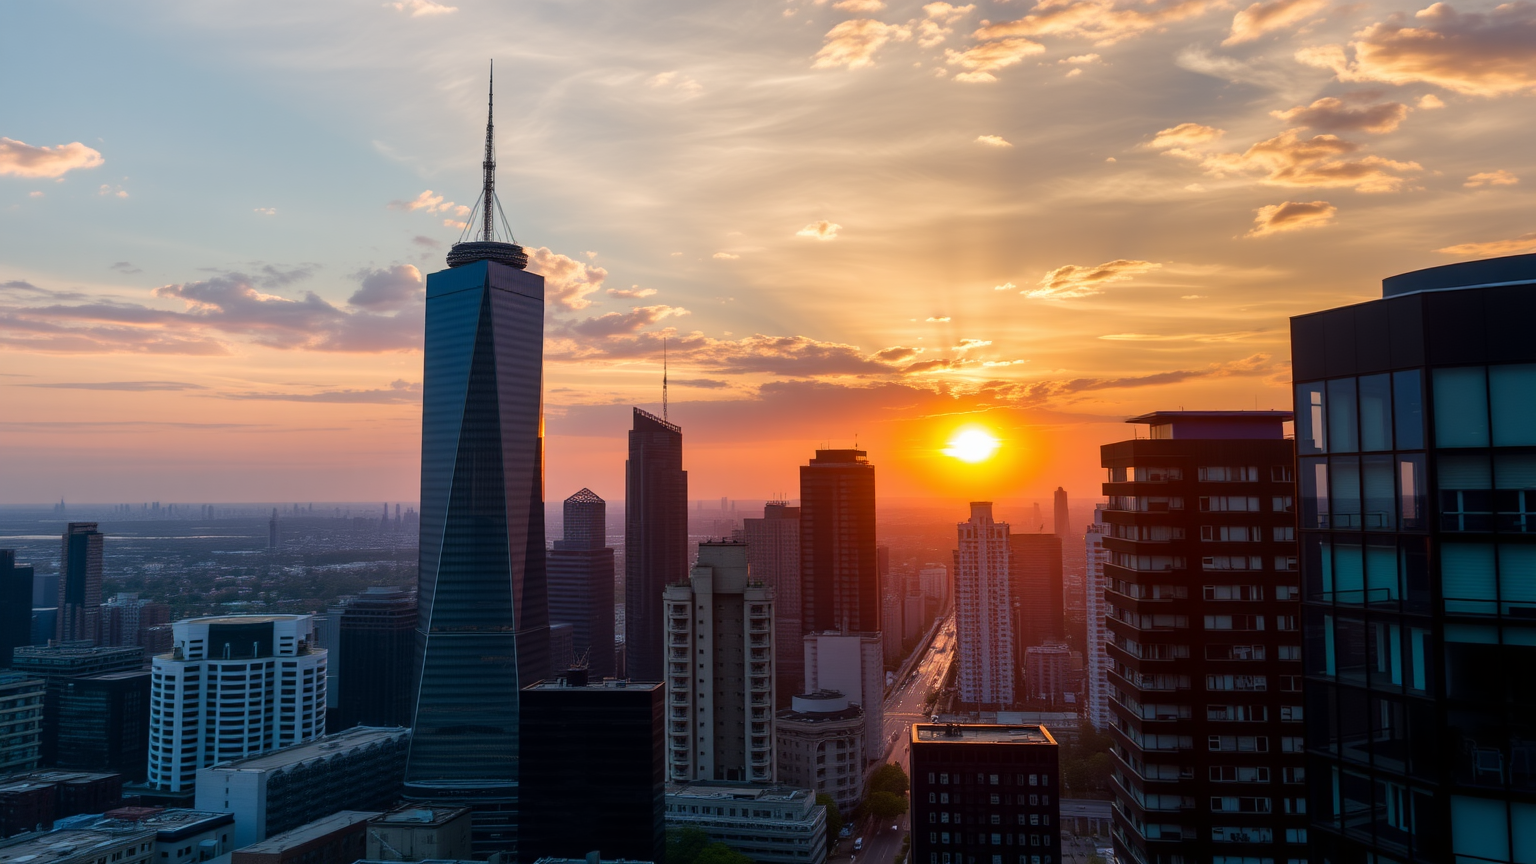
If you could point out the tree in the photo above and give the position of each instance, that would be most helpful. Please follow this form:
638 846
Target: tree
719 853
890 778
685 844
883 806
834 819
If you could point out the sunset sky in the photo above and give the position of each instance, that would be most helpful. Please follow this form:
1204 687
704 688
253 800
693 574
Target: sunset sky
868 219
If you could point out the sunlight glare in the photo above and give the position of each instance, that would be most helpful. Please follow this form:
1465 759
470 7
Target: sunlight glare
972 445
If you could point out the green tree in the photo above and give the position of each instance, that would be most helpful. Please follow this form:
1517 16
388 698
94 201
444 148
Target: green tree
834 818
885 805
890 778
684 845
719 853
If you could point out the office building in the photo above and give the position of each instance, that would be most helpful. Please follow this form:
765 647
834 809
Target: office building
15 605
361 768
184 836
103 723
374 654
820 745
21 722
934 579
1062 527
413 832
1202 601
768 824
1035 587
339 838
126 617
1048 673
581 584
483 606
655 537
914 618
32 802
1096 661
81 846
79 597
720 669
1414 429
594 768
852 664
773 553
59 664
985 793
985 617
839 571
234 686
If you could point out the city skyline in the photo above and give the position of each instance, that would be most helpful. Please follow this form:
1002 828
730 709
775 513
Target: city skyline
775 153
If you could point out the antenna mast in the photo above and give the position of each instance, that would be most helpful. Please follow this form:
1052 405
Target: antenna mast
488 193
664 378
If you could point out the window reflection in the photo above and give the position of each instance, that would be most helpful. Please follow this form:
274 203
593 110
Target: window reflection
1408 409
1311 432
1341 415
1375 412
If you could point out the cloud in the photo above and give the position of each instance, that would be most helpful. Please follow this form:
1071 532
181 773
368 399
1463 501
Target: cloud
1491 178
853 43
615 323
1493 248
108 190
19 159
675 80
567 282
276 277
399 392
266 211
1319 161
934 28
421 8
127 386
20 288
1479 54
632 293
1266 17
1052 389
431 203
793 356
859 5
1184 135
993 141
970 344
924 367
427 242
1334 114
896 354
702 383
822 230
1079 60
1429 102
1071 281
725 256
1291 216
231 304
1006 286
388 289
987 57
942 320
1103 22
34 194
125 268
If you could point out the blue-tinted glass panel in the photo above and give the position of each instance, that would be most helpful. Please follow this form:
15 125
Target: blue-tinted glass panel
1412 492
1343 426
1311 419
1517 580
1514 494
1317 566
1348 573
1385 646
1377 475
1381 573
1461 407
1375 412
1315 509
1413 569
1408 409
1512 391
1467 579
1466 492
1344 491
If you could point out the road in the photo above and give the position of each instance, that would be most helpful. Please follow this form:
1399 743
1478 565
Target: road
903 707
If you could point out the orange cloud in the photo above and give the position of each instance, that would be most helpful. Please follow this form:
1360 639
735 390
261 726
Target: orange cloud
633 293
859 5
993 141
932 30
1291 216
853 43
421 8
567 282
1072 281
1333 113
1319 161
1480 54
1268 16
1491 178
987 57
1102 21
822 230
20 159
431 203
1491 248
1185 135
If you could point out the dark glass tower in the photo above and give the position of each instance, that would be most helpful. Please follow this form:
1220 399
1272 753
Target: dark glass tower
839 575
483 616
80 583
374 654
15 605
1416 442
655 537
581 583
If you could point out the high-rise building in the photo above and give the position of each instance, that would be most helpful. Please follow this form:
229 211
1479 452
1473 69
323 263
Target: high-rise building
1097 654
15 605
655 537
375 653
103 723
57 665
21 722
852 664
483 607
79 599
1035 590
1062 527
773 553
125 617
1415 423
234 686
934 579
1202 607
820 744
720 670
839 572
985 793
593 769
1047 673
984 613
581 583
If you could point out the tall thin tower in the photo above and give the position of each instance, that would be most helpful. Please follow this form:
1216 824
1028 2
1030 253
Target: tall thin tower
483 615
79 597
655 537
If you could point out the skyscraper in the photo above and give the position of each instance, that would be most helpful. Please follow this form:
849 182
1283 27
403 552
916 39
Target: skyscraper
983 793
655 537
1096 659
374 653
839 572
1062 527
581 583
80 583
1035 586
15 605
483 612
1415 429
984 616
773 553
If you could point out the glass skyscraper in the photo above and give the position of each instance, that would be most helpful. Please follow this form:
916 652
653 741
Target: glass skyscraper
655 537
1416 443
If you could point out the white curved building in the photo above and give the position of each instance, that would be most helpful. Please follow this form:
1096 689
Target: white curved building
233 686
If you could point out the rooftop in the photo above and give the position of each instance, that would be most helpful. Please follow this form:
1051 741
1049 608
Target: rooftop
312 831
954 733
1209 425
17 782
420 814
559 683
319 748
725 790
170 824
1486 273
63 845
241 619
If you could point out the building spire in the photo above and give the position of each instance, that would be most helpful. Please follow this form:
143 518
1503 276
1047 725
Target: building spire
482 245
488 193
664 379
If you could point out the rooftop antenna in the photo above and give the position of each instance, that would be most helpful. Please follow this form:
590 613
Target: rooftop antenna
485 246
664 379
488 188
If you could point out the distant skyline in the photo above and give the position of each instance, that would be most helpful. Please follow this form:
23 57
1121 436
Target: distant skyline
861 219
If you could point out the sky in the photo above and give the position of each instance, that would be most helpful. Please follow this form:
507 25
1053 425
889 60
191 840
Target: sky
853 222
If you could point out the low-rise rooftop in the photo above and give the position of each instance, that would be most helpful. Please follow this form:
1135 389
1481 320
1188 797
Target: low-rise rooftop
319 748
726 790
421 814
66 845
311 831
955 733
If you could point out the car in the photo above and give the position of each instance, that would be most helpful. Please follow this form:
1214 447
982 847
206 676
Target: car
846 832
895 827
858 844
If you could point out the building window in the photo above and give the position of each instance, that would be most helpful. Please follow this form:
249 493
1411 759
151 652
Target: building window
1461 407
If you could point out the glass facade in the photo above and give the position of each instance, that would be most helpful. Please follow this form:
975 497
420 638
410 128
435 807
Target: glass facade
1416 456
482 626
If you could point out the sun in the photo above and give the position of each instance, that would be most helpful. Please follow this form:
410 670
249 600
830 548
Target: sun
972 445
